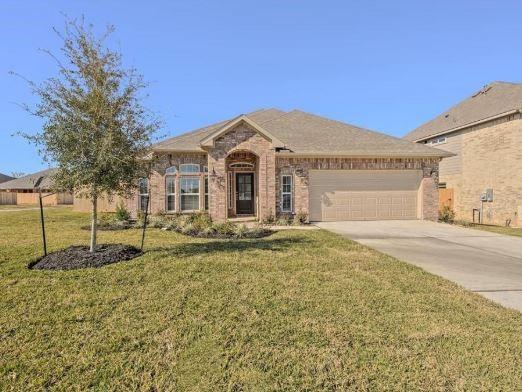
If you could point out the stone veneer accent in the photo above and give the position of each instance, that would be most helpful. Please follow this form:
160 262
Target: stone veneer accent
299 169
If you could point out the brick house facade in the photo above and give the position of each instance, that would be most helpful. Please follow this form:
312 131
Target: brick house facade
485 134
241 168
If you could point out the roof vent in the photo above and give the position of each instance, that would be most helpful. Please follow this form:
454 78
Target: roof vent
484 90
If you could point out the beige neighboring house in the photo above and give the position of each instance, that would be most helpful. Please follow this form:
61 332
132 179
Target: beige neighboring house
270 163
24 190
485 133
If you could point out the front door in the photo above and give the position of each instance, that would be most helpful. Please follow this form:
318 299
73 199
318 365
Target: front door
244 193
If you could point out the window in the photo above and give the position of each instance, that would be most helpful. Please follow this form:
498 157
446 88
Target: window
189 168
286 193
170 193
206 193
189 187
171 170
439 140
205 169
442 185
143 193
241 165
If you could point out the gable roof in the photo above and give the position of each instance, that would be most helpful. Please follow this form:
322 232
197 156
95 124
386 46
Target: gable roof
30 181
190 141
209 140
495 99
5 177
307 134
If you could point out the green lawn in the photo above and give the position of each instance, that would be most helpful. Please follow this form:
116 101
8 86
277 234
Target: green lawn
298 310
516 231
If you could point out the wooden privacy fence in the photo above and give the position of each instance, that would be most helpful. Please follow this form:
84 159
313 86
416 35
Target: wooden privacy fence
84 204
7 198
13 198
446 198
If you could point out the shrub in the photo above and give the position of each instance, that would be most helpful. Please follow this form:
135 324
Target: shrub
241 231
446 214
283 221
300 218
121 214
200 221
225 229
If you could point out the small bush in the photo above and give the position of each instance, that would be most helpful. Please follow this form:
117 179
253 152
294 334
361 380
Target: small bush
121 214
241 231
283 221
446 214
300 218
225 229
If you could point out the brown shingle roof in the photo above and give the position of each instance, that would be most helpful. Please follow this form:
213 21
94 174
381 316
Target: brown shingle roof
5 177
494 99
190 141
31 180
304 133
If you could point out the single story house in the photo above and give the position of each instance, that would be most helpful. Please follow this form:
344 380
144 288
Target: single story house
5 177
485 133
24 190
270 163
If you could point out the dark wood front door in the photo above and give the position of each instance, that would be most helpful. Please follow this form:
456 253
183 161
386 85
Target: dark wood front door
244 193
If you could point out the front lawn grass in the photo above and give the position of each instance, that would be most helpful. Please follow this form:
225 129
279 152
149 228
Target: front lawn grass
298 310
515 231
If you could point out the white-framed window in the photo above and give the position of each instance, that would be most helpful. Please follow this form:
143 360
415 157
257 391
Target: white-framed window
189 168
170 193
143 193
286 193
439 140
189 191
230 190
241 165
206 193
171 170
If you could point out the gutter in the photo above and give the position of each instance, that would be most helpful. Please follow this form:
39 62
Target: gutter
471 124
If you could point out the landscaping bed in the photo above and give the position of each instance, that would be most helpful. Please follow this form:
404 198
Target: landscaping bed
75 257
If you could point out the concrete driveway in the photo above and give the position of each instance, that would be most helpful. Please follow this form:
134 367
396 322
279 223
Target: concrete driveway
486 263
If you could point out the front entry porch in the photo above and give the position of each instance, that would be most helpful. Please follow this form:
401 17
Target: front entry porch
242 196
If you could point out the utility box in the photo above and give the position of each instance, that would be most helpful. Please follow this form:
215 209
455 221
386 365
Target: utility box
489 194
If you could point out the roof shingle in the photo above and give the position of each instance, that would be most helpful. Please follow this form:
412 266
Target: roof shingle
29 181
494 99
305 133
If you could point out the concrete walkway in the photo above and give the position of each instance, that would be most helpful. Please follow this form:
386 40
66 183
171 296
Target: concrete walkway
487 263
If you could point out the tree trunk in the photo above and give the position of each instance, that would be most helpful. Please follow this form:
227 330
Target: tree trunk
94 223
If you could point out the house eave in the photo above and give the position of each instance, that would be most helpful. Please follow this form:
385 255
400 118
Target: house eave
468 125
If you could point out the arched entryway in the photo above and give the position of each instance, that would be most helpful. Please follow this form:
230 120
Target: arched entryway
242 168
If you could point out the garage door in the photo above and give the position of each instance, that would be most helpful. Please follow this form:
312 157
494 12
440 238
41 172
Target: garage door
337 195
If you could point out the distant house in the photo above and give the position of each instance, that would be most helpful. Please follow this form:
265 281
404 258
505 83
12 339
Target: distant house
270 163
24 190
485 133
5 177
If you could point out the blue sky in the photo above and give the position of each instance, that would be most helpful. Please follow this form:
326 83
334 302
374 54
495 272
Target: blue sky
384 65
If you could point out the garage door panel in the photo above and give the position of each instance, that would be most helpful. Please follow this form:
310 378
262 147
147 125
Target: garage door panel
363 195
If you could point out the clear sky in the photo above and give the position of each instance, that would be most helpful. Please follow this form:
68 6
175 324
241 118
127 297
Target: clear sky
384 65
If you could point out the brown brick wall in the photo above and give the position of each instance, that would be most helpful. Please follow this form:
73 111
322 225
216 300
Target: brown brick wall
157 181
491 158
299 168
241 138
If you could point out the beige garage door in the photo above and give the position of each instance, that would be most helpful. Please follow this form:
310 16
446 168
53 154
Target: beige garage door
337 195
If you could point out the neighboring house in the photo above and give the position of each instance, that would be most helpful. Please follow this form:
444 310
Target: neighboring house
5 177
270 163
485 133
24 190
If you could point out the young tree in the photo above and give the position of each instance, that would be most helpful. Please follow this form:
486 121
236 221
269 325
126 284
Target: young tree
95 129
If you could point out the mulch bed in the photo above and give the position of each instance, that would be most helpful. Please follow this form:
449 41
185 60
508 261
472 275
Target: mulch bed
75 257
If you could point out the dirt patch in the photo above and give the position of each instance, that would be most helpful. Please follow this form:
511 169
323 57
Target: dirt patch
75 257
